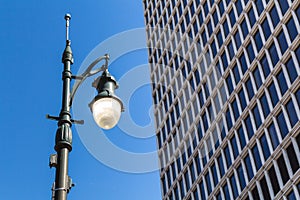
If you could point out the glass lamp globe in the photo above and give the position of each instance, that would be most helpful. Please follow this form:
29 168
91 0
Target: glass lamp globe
107 112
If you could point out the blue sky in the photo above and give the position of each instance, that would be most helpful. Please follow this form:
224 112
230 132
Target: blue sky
32 40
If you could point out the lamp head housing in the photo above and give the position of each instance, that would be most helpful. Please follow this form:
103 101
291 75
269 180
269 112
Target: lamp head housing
106 106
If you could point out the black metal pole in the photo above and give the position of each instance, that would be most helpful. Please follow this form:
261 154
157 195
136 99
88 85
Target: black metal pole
63 139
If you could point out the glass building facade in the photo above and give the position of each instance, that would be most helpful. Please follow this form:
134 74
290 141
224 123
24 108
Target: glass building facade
226 91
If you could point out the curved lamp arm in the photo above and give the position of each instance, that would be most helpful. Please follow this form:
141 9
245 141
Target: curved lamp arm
87 73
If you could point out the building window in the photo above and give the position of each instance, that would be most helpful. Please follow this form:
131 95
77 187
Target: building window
241 136
274 181
214 173
222 129
221 8
206 89
224 61
282 124
203 155
230 50
237 38
208 184
203 36
217 104
239 8
242 181
202 191
264 146
232 17
226 28
293 158
187 180
264 105
255 194
215 138
291 113
173 170
243 63
227 156
282 42
226 191
218 196
291 70
164 185
273 54
258 41
220 39
197 76
257 78
274 16
168 177
221 166
291 195
242 99
209 147
234 147
210 112
255 153
249 127
178 165
244 28
233 187
273 94
229 84
198 166
291 27
259 6
266 29
214 48
265 189
200 97
273 136
235 109
236 74
283 6
228 119
209 28
223 94
205 8
283 170
182 191
212 81
251 17
265 66
195 194
176 192
256 115
204 120
249 88
215 17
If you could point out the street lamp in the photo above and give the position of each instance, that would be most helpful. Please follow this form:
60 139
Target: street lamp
106 108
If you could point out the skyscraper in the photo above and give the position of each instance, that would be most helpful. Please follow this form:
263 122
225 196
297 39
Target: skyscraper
227 94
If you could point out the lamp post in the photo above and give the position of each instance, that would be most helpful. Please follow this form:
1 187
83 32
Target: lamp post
106 108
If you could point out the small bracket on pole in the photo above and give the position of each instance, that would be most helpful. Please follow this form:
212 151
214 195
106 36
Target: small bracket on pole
77 121
52 117
53 191
74 121
70 184
53 160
